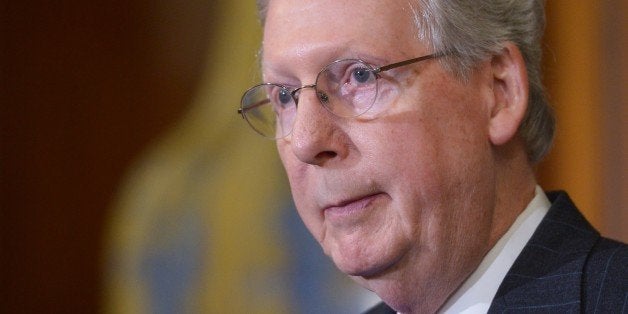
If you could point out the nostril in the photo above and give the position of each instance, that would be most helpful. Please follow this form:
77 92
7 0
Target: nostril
326 155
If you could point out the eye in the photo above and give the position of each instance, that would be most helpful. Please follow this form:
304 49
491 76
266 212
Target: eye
284 96
358 75
280 96
361 75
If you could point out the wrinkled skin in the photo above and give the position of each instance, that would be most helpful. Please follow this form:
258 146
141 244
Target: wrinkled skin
406 200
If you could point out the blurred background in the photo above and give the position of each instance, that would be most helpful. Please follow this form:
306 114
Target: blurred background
130 185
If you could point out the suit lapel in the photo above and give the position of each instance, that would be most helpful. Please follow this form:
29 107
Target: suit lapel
547 275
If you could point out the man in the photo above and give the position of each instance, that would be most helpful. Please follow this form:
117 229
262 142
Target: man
410 157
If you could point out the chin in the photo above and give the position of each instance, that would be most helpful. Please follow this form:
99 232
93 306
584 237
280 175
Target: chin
358 262
357 268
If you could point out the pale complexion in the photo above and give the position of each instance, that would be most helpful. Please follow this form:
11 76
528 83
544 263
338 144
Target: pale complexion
406 200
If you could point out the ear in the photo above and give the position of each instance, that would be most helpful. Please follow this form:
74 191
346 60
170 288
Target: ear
510 89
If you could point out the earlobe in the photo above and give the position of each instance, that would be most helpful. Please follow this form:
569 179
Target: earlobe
510 91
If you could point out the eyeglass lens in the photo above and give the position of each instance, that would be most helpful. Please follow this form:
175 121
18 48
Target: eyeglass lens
347 88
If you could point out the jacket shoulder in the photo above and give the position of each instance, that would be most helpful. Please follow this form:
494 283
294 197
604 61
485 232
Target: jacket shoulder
606 277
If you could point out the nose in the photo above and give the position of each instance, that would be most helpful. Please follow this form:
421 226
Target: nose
316 137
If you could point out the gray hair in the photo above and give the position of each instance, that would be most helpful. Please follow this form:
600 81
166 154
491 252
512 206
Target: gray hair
473 31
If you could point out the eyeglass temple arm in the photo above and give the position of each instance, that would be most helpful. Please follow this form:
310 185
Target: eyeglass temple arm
255 105
402 63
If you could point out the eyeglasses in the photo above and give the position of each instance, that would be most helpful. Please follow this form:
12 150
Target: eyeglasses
346 88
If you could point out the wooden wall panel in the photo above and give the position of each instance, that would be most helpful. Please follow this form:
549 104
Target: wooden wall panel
585 75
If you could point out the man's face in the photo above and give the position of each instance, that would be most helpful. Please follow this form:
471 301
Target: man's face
400 199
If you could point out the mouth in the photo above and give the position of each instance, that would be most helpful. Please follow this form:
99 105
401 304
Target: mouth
351 206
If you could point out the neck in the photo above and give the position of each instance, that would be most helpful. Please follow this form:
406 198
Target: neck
515 186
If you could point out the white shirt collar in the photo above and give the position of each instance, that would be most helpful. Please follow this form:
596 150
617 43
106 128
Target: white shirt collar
477 292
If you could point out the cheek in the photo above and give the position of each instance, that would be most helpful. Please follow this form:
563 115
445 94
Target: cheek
431 148
295 171
403 145
301 189
289 161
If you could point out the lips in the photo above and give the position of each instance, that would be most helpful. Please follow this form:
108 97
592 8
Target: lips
351 206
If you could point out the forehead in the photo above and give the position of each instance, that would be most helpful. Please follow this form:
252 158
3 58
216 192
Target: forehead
301 31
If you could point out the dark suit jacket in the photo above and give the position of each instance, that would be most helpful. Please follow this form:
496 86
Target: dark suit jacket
566 267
